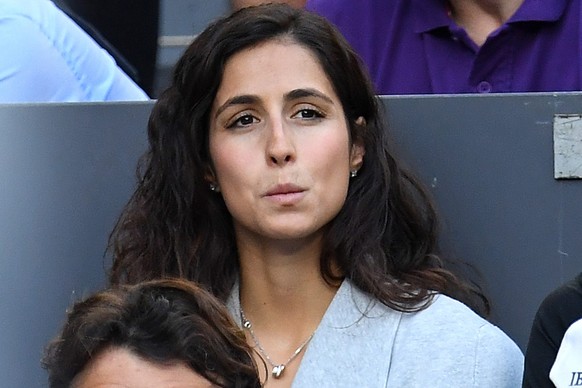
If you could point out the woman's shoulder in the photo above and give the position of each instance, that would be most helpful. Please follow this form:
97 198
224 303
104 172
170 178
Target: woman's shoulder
445 323
473 348
447 317
445 308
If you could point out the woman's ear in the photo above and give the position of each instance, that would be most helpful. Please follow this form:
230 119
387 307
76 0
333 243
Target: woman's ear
210 178
357 155
358 150
209 175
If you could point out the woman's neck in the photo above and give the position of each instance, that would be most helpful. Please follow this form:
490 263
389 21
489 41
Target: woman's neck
283 279
284 297
481 17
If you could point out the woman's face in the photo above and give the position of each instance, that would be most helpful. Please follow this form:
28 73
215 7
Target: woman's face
279 143
117 367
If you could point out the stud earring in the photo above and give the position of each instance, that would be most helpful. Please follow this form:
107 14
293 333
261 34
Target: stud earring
353 173
214 187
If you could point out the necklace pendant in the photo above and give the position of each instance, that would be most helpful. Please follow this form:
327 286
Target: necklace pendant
278 371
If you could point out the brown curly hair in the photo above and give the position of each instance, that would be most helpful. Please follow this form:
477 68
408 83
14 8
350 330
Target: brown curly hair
384 239
167 320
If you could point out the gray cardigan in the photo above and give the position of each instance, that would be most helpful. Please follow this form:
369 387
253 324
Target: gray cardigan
362 343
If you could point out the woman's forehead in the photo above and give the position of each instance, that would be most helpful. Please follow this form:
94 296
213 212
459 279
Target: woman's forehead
274 65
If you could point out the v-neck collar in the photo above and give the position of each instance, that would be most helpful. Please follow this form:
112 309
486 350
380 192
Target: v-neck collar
354 328
433 14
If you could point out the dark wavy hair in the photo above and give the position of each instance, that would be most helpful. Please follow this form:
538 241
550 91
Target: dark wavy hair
162 321
385 237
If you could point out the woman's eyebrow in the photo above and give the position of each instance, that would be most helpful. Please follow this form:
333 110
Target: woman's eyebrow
307 92
244 99
237 100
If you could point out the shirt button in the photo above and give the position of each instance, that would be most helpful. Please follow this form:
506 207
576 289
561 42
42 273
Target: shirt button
484 87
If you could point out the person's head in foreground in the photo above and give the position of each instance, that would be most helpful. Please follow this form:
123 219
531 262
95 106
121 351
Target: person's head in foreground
161 333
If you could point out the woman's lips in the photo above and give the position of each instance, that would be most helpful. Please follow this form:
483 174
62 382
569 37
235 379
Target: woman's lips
285 194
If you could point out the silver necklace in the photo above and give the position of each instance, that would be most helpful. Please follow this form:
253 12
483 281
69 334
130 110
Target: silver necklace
278 369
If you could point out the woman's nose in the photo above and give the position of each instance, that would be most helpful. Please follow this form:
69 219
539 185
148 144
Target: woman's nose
280 144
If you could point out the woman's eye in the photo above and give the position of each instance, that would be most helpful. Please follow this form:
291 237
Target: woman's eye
243 121
308 114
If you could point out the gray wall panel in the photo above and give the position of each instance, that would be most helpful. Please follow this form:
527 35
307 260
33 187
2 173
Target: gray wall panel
183 18
489 163
65 173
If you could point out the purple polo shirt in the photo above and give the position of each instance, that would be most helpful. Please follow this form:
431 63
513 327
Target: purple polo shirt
414 47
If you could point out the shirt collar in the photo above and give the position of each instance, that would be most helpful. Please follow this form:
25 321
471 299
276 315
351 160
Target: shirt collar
433 14
540 11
